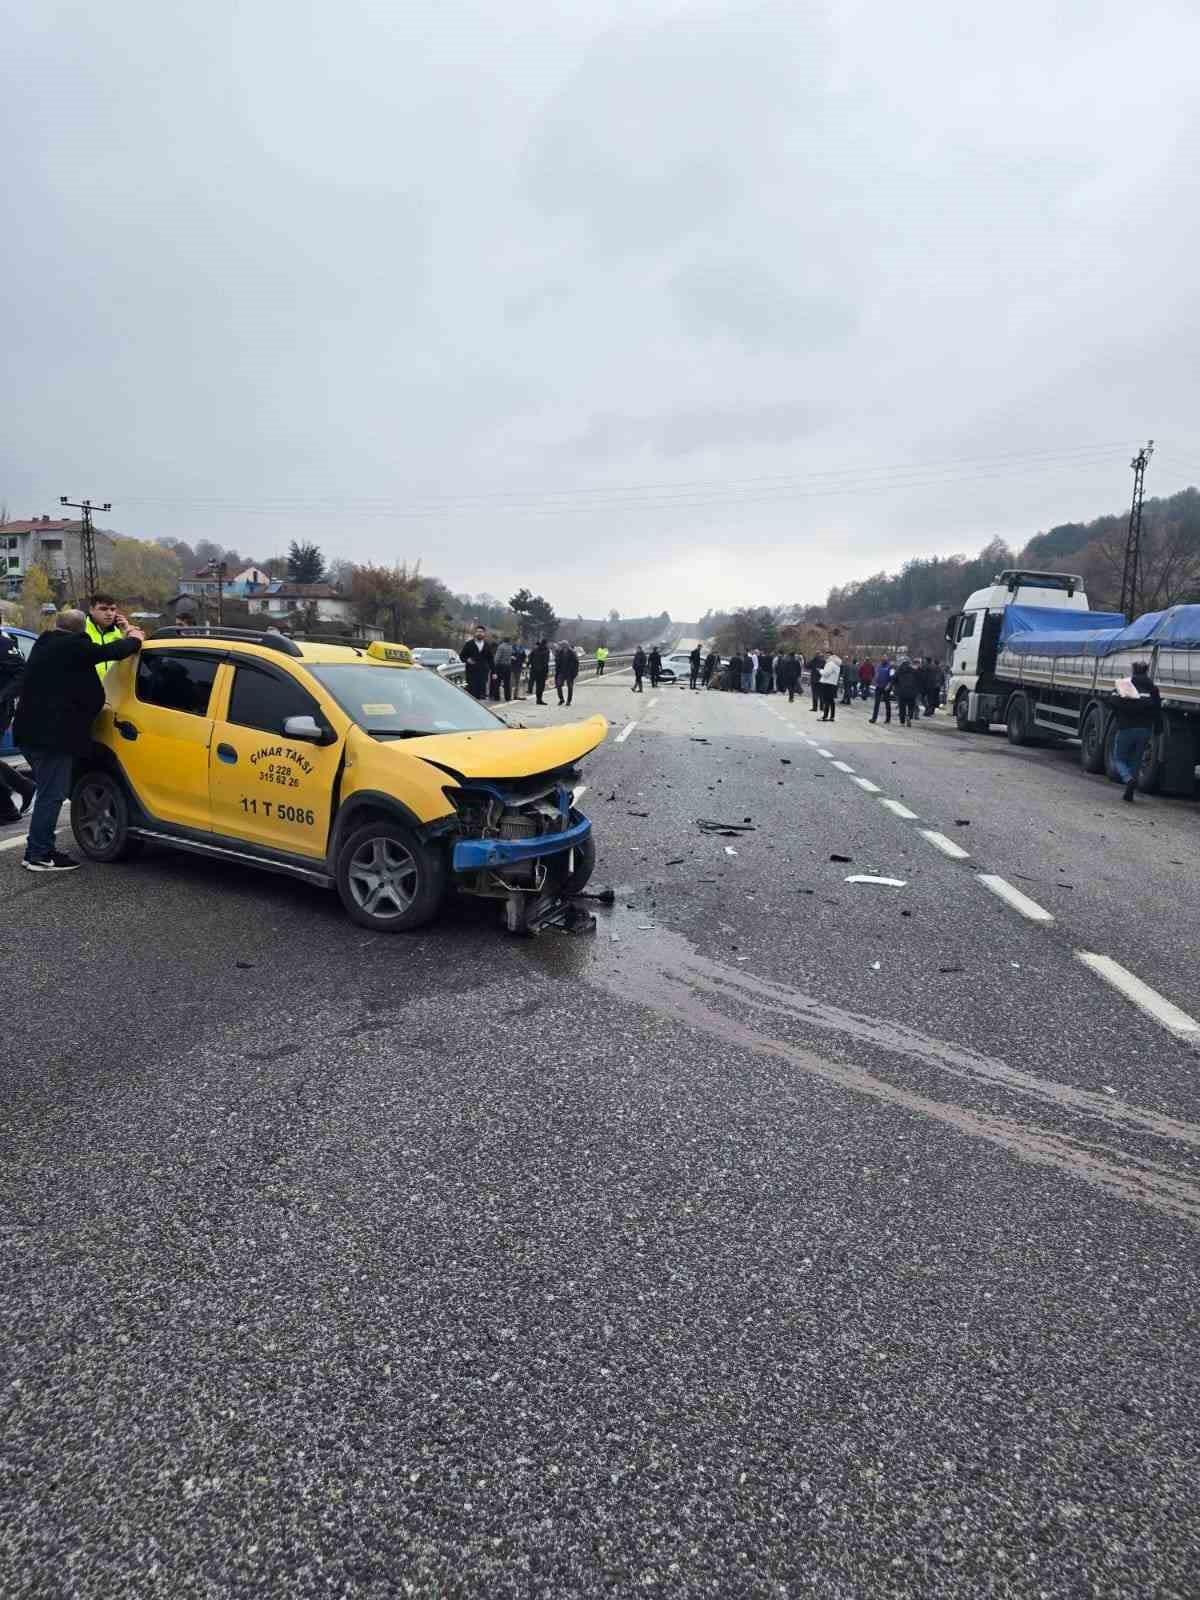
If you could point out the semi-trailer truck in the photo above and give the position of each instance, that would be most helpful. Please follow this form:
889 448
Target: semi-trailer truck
1029 653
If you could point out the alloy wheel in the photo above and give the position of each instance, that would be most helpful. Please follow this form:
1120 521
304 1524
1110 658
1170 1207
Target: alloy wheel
383 878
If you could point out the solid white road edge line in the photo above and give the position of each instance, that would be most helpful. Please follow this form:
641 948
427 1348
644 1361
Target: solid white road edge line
625 732
954 851
863 783
20 838
1142 995
1019 902
898 810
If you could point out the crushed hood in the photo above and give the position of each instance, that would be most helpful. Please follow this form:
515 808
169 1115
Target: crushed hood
510 752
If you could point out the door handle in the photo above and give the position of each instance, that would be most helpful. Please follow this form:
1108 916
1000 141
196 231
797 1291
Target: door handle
127 730
226 753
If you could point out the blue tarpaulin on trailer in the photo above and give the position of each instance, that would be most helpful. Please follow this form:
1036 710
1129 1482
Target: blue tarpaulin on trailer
1048 631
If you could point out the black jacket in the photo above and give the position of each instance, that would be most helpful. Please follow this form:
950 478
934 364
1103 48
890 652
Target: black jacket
905 681
61 692
639 660
539 660
566 664
1144 712
787 674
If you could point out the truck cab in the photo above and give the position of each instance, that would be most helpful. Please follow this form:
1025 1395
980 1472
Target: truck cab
972 634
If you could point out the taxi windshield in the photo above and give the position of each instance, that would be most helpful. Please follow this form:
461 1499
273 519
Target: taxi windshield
403 702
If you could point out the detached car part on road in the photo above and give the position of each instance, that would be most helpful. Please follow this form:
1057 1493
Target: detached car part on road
350 767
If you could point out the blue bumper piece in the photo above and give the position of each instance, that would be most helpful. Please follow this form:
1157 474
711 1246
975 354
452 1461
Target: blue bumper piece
471 854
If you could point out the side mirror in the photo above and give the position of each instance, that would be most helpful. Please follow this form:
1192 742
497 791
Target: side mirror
306 728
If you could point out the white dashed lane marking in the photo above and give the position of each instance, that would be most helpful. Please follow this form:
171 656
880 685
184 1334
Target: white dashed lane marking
898 810
948 846
625 732
1013 897
828 754
1142 995
865 783
841 765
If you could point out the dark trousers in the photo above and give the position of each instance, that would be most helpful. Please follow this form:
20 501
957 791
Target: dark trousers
537 682
52 775
883 697
908 709
637 682
816 691
477 681
846 694
694 674
653 678
569 685
791 692
599 669
828 702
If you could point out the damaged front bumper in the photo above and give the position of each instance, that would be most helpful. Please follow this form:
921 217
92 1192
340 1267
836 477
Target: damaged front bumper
472 855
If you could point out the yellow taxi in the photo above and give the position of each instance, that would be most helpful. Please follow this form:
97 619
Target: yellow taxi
349 766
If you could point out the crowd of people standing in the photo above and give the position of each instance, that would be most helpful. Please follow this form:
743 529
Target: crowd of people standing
496 671
832 680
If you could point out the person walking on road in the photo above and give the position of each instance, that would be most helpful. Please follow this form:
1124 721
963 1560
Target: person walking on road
654 660
788 675
566 670
503 668
1137 712
694 667
927 678
712 663
601 658
907 688
883 690
815 668
539 669
749 665
866 677
477 658
61 696
639 669
518 666
831 674
849 680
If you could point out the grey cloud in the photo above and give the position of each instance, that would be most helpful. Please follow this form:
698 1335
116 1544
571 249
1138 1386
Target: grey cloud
739 297
681 433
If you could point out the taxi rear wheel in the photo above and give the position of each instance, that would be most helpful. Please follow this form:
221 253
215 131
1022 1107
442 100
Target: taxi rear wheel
387 880
100 818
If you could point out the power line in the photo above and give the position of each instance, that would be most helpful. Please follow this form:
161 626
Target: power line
676 495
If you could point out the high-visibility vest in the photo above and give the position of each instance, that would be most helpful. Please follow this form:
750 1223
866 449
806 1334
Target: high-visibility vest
601 652
94 634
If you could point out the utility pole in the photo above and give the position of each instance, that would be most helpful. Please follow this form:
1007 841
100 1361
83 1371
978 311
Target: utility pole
1131 577
219 569
87 540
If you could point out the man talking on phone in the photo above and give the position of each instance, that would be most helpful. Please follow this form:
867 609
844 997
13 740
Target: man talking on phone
105 625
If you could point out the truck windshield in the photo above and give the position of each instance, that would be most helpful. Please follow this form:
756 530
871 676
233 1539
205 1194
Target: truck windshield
400 702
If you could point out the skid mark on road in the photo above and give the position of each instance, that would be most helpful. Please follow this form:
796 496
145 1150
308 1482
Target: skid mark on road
674 981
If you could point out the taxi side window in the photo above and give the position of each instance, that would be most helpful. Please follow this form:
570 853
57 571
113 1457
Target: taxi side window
263 699
179 682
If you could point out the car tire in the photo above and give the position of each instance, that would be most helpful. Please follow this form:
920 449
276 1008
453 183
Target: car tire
100 818
388 880
577 878
1091 740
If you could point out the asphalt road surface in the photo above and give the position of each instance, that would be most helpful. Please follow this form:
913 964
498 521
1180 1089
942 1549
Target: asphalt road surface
789 1236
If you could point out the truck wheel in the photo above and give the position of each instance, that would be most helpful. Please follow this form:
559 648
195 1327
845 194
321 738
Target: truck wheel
962 706
1019 720
1110 749
100 818
1150 773
387 880
1091 741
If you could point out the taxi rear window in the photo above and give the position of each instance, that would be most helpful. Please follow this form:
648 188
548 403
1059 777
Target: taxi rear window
403 701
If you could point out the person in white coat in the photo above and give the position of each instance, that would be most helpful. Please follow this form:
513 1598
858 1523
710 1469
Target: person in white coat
831 676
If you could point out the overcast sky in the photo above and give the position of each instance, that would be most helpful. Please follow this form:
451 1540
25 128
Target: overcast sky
642 305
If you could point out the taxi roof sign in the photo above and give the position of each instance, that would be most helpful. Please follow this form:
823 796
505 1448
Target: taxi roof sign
396 655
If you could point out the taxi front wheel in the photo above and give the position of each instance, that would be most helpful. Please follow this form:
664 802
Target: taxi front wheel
100 818
388 881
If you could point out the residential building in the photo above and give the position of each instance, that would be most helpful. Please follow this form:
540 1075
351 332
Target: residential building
281 597
54 543
236 586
